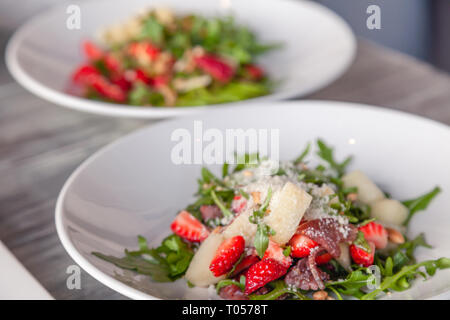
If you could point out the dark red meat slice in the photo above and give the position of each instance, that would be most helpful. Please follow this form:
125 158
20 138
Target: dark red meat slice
232 292
210 212
328 232
305 275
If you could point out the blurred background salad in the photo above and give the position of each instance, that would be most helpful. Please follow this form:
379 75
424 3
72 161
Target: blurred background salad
415 27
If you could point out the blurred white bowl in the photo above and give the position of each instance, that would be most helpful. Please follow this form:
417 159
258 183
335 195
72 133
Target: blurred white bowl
318 46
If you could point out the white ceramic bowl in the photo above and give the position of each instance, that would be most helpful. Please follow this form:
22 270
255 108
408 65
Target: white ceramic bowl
318 48
132 187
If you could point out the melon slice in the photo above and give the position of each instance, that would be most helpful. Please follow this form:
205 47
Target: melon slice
241 226
286 210
198 272
367 190
389 212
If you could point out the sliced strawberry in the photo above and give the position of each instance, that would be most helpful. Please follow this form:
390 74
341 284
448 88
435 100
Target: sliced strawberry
160 80
263 272
138 75
112 64
254 72
323 258
122 82
90 77
215 66
92 51
188 227
246 263
226 255
83 73
301 246
375 233
361 256
238 204
275 252
137 49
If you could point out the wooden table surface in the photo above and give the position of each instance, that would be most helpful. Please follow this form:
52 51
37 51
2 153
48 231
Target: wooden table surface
41 144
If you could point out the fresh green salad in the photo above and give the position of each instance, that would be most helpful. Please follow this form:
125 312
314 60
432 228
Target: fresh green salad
159 59
310 231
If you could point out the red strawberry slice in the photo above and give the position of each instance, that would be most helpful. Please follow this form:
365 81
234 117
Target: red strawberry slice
188 227
246 263
375 233
92 51
215 66
261 273
226 255
301 246
275 252
137 75
238 204
323 258
159 81
361 256
82 74
254 72
136 49
89 76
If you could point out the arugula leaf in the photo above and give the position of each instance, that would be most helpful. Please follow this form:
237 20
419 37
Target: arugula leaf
326 153
401 280
303 154
279 288
420 203
261 241
225 170
231 92
225 211
361 242
165 263
353 284
153 30
227 282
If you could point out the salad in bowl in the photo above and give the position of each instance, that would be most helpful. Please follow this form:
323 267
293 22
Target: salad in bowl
309 231
159 59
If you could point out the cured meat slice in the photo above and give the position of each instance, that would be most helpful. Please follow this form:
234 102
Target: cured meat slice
306 275
210 212
328 232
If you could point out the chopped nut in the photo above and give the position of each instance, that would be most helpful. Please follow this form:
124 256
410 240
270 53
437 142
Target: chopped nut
256 197
248 173
184 85
320 295
352 197
303 166
169 95
395 236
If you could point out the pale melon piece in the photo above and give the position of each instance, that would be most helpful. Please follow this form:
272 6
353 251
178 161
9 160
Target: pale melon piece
367 190
198 272
286 210
344 258
241 226
389 211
